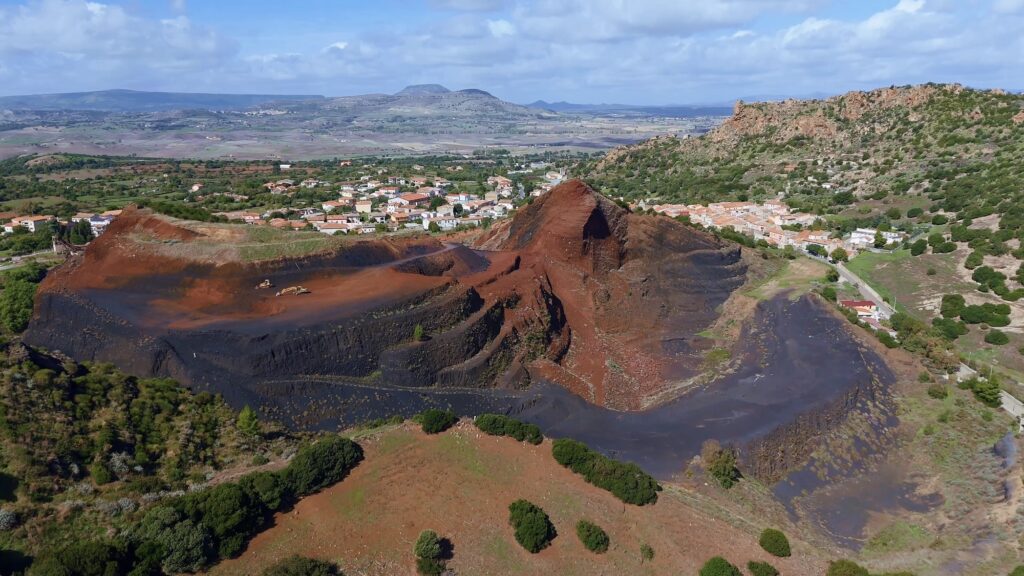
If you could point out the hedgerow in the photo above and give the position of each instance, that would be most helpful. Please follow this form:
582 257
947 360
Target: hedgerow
625 480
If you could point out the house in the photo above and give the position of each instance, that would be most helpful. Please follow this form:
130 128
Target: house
332 205
866 237
285 166
443 222
364 206
412 199
864 308
499 181
31 223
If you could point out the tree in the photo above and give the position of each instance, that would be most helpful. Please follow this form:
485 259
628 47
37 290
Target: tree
762 569
817 250
593 537
646 553
986 391
248 423
434 421
920 246
719 566
840 255
433 227
879 239
532 527
429 552
774 542
720 463
996 337
301 566
16 304
319 465
952 305
846 568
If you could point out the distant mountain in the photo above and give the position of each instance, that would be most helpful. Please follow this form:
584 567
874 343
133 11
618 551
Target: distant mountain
419 89
673 111
136 101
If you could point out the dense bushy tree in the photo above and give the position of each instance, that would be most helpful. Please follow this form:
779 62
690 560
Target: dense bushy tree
16 301
774 542
302 566
434 421
761 569
720 462
846 568
533 528
500 425
625 480
593 537
719 566
319 465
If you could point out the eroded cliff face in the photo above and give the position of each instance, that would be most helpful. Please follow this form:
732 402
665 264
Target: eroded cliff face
573 289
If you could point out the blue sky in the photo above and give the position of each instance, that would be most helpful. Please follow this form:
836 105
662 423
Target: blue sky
629 51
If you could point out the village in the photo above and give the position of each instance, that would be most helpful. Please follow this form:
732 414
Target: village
390 203
774 223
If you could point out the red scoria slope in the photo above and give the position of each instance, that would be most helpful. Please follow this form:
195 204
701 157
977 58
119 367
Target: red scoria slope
573 289
634 291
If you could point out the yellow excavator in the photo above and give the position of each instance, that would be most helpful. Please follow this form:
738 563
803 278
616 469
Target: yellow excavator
293 290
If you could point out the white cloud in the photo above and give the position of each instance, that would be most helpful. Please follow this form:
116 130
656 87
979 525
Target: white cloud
500 28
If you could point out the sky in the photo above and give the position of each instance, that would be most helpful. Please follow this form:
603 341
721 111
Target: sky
585 51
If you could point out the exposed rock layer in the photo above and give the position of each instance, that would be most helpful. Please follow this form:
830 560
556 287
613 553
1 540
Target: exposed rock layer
574 289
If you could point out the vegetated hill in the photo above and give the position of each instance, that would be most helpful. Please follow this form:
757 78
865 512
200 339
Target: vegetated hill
574 288
960 147
140 101
429 101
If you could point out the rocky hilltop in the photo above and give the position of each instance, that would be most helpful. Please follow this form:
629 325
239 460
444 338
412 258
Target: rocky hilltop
574 289
879 142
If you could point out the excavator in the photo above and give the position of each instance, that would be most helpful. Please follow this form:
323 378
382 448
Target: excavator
293 290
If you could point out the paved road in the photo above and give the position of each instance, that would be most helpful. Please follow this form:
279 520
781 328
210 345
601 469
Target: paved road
24 260
866 291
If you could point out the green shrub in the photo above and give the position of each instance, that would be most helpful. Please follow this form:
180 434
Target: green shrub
435 421
267 488
429 551
720 463
16 301
81 559
950 328
986 391
319 465
229 512
1018 571
301 566
996 337
533 528
762 569
499 425
846 568
625 480
646 552
918 247
593 537
428 545
719 566
774 542
829 293
938 391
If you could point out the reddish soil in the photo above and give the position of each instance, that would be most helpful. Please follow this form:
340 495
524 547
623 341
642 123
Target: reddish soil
574 289
460 484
